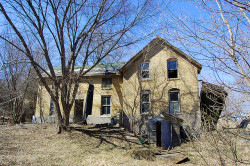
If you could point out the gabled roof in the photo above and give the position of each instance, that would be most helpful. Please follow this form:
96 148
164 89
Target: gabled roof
163 42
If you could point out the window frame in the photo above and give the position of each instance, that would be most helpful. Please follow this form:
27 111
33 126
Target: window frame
51 108
106 105
172 60
143 92
174 102
108 86
143 70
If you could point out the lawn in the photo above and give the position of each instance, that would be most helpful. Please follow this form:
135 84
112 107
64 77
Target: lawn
37 144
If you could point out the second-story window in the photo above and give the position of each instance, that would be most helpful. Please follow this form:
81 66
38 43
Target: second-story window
106 83
172 68
144 70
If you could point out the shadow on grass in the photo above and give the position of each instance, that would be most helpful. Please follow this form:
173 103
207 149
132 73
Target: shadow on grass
106 133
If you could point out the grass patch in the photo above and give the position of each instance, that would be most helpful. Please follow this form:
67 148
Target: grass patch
37 144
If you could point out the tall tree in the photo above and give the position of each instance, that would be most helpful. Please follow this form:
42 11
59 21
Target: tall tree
73 31
218 36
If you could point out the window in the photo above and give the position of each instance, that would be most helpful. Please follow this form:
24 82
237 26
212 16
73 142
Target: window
174 101
172 68
106 83
144 70
106 104
52 108
145 101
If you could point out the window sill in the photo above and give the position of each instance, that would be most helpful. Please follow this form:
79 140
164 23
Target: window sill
173 79
106 88
105 116
144 80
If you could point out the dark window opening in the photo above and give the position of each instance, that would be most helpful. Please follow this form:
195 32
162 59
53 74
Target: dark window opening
106 83
145 101
52 109
145 70
172 69
106 106
174 102
89 102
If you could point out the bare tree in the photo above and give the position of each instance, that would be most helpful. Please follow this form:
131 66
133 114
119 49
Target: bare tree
72 31
18 89
218 36
155 101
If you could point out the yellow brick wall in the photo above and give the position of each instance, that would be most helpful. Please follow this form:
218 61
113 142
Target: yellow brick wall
43 100
115 92
159 84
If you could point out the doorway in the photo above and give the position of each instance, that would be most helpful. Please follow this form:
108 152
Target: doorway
89 102
158 134
78 112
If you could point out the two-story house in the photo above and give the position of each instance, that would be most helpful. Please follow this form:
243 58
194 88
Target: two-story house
159 78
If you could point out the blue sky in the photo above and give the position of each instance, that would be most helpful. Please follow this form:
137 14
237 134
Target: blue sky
183 10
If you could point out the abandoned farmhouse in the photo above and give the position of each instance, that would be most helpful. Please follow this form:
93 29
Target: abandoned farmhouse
158 79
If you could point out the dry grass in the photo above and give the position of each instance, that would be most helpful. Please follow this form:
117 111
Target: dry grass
39 145
221 147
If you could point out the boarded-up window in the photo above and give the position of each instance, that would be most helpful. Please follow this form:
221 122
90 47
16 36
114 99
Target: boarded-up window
174 101
145 101
106 83
106 106
144 70
172 68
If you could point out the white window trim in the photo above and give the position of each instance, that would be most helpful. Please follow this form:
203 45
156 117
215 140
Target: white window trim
105 105
175 101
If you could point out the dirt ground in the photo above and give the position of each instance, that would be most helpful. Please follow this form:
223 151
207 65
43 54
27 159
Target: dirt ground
37 144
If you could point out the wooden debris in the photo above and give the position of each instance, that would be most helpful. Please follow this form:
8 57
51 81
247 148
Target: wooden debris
177 157
183 160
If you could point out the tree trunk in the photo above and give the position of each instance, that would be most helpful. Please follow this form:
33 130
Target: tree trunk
66 118
59 120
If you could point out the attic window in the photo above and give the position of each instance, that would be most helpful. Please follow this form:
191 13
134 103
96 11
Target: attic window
106 83
144 70
172 68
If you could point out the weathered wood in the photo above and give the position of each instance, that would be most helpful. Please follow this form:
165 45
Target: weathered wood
174 156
